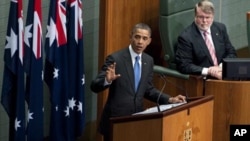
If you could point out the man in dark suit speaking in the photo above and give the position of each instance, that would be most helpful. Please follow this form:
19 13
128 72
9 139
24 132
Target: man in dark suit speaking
203 44
128 74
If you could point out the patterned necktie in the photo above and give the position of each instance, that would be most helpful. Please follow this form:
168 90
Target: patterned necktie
137 72
210 48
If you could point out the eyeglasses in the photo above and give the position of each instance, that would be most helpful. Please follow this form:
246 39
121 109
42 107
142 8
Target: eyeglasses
204 17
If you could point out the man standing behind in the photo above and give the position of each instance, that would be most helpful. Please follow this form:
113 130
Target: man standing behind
128 74
203 44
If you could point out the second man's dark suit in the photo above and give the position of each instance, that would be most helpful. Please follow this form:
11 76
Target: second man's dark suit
192 53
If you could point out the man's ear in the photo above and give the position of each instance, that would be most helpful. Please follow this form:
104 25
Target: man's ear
149 40
130 36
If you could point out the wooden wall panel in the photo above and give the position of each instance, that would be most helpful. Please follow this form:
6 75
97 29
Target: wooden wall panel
117 17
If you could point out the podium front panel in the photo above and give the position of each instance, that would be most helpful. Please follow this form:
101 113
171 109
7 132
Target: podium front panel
143 130
194 124
191 121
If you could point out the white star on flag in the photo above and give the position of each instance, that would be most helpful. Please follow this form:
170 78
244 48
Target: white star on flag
42 75
12 42
56 108
51 33
79 106
14 1
56 74
17 124
27 35
83 79
30 115
72 103
67 111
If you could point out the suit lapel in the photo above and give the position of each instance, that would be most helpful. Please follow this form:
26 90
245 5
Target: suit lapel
215 34
144 66
202 43
129 68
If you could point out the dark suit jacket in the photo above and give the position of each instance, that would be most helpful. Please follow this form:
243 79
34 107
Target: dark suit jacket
192 53
122 99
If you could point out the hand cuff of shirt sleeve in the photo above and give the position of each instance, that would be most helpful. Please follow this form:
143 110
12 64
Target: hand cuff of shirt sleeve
204 71
106 82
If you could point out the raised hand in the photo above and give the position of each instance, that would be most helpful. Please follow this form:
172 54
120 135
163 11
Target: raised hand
110 73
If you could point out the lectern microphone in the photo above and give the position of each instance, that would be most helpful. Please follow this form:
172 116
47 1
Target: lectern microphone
163 77
178 87
163 87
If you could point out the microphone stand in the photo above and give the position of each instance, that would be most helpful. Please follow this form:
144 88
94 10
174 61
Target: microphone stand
163 87
178 87
163 77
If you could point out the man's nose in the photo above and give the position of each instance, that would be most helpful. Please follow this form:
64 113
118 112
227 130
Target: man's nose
140 40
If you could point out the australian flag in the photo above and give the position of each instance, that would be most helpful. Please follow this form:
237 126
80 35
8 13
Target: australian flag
33 65
13 99
64 69
76 74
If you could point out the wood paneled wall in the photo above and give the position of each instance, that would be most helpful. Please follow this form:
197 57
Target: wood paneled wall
117 17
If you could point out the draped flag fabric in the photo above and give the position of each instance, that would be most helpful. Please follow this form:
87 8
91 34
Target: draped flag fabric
64 72
76 75
12 98
33 66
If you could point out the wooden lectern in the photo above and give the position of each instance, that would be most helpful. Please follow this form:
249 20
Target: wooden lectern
191 121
